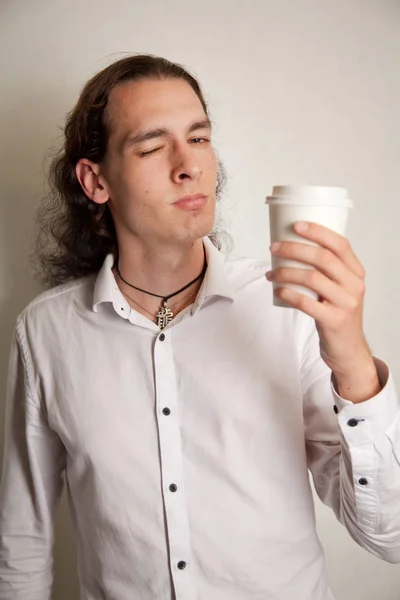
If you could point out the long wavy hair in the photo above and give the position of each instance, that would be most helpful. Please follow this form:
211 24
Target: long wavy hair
74 233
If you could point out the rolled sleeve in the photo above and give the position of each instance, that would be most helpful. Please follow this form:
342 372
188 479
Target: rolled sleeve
370 440
362 422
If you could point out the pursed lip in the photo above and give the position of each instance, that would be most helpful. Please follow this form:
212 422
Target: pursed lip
192 201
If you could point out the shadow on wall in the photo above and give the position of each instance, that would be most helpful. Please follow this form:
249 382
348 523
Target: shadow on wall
29 130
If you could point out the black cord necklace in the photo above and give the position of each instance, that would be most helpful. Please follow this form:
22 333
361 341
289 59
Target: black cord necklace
165 315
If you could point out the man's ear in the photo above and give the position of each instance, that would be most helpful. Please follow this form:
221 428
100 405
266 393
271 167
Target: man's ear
88 175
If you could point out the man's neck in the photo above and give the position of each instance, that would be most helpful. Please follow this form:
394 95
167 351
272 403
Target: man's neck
162 270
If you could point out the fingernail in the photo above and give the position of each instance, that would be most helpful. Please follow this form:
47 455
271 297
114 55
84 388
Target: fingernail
301 226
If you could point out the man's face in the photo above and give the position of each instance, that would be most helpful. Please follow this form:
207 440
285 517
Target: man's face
145 177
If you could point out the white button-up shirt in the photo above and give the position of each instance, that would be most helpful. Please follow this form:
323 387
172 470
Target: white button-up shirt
187 452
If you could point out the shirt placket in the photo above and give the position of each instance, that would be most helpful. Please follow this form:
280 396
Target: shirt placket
172 470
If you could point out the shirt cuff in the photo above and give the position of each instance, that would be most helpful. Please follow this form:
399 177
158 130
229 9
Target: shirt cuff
362 422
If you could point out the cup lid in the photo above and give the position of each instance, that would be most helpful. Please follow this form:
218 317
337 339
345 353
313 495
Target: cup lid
309 194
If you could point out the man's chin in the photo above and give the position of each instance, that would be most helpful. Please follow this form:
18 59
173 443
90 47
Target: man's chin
201 228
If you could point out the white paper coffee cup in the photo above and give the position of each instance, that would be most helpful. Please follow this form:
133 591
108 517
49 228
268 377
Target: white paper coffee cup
288 204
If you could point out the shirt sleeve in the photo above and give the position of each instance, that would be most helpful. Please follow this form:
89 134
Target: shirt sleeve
31 484
353 453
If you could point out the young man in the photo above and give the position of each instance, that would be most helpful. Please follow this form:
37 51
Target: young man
184 408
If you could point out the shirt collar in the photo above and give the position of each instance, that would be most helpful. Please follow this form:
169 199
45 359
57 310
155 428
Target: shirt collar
106 288
216 281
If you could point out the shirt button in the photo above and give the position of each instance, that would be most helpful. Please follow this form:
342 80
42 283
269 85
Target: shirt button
162 337
173 487
363 481
335 409
352 423
181 565
166 411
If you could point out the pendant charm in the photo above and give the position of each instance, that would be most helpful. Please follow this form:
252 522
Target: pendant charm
164 316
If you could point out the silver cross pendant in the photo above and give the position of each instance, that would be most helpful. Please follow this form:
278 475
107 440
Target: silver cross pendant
164 316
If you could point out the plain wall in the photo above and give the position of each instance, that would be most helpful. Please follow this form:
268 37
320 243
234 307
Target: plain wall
303 92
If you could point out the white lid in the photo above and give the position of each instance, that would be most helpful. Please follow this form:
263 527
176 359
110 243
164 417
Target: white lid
309 194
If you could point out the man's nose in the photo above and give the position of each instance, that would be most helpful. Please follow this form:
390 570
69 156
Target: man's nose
185 164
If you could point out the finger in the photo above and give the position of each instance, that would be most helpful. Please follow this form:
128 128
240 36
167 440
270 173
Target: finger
324 260
317 310
336 243
317 282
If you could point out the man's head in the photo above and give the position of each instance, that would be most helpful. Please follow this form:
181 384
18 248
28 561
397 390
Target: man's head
158 150
104 183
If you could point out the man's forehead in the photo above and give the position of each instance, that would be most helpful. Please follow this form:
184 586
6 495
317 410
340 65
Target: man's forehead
141 104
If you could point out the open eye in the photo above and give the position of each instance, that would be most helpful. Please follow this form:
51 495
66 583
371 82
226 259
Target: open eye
199 140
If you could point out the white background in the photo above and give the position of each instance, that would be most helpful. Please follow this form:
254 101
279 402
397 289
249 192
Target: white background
304 92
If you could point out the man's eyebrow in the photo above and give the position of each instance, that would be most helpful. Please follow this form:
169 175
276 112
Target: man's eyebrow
156 133
205 124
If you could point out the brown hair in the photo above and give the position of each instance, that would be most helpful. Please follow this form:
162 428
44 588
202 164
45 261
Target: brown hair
74 233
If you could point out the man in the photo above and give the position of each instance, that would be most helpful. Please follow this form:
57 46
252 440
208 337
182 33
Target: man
184 408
